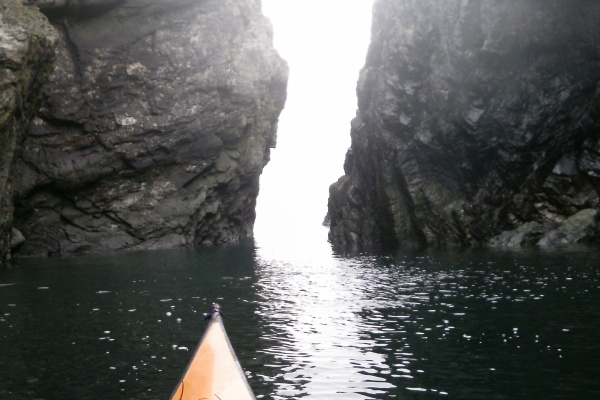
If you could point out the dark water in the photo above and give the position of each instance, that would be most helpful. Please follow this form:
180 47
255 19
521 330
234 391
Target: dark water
416 325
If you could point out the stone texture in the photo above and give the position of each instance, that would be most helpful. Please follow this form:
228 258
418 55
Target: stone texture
27 43
155 126
476 117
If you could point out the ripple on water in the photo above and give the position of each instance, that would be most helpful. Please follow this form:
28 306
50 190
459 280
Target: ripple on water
412 326
422 327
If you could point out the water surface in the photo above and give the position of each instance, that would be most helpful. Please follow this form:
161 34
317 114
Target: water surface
477 324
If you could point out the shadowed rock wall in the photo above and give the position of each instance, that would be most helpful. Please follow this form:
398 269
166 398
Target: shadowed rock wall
154 129
478 123
27 43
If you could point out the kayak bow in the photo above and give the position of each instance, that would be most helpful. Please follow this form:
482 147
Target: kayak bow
214 373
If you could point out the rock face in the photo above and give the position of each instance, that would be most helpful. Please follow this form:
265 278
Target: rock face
155 126
478 123
27 43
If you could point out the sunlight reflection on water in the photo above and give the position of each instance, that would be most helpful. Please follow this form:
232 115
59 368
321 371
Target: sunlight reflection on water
316 308
414 325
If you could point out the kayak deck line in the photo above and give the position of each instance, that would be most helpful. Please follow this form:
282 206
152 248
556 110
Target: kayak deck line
214 372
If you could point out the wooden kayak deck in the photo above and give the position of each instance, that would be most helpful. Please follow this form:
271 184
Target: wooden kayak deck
214 373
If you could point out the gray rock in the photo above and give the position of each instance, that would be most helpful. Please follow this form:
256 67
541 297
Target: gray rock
474 118
76 5
27 43
528 234
579 228
155 127
16 238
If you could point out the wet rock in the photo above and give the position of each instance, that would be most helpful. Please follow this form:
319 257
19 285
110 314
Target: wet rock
528 234
16 238
155 126
475 118
27 43
579 228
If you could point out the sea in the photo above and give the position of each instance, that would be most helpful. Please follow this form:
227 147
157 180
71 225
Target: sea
307 323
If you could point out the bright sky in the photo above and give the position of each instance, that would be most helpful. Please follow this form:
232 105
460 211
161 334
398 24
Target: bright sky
325 44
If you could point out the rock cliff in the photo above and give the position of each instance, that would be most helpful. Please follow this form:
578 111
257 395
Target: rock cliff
478 123
154 128
27 43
